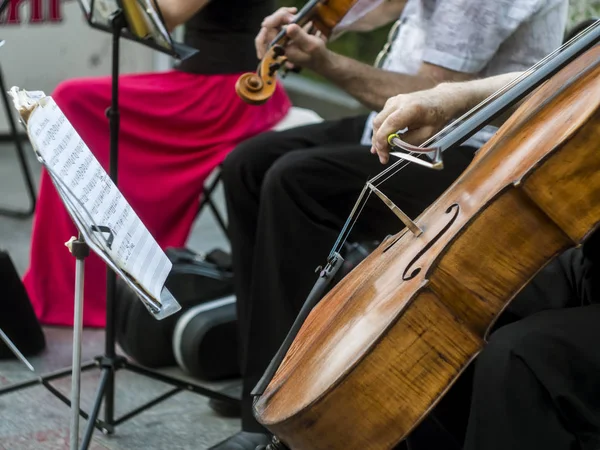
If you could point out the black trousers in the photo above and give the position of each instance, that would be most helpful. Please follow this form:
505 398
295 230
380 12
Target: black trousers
288 195
536 385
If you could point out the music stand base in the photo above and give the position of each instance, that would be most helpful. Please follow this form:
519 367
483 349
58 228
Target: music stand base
108 367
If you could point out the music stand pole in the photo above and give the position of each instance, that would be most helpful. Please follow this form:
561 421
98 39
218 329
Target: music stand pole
80 250
118 22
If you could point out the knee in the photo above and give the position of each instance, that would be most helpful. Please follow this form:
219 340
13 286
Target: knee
285 175
244 161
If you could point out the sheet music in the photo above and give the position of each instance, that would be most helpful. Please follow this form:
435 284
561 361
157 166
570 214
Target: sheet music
109 223
158 30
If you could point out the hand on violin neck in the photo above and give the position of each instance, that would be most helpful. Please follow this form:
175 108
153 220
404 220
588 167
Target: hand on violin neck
305 49
302 49
270 27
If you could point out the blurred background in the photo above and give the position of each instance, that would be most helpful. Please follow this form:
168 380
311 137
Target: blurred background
48 41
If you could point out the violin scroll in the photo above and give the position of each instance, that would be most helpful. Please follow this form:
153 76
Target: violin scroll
257 88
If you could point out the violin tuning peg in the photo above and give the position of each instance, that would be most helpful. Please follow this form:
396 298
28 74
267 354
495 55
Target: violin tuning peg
278 51
274 67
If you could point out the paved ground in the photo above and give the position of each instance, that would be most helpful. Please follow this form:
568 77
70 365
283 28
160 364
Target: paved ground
35 419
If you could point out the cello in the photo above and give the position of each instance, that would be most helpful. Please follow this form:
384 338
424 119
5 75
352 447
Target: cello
257 88
368 362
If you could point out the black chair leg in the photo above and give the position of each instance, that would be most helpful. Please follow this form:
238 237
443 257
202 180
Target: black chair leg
207 200
22 160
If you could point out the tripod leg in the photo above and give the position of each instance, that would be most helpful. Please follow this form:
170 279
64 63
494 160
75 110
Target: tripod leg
89 429
15 350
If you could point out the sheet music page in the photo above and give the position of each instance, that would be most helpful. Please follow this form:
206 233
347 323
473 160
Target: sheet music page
109 221
103 11
159 31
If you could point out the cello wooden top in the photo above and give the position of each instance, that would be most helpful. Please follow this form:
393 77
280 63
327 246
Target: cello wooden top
355 316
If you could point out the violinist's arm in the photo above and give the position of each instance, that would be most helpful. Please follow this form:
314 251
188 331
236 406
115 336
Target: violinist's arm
372 86
426 112
178 12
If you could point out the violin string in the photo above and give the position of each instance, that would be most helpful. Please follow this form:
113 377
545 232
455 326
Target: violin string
402 164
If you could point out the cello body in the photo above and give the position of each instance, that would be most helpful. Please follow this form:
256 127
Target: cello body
385 344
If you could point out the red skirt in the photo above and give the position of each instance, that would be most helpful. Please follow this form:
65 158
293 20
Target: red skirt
175 129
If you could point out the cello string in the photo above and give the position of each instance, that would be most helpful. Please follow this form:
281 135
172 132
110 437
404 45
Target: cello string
401 164
352 219
347 223
355 219
486 101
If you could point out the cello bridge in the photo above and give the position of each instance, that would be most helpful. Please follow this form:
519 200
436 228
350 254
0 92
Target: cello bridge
412 226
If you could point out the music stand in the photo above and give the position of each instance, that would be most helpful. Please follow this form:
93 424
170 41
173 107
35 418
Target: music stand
142 22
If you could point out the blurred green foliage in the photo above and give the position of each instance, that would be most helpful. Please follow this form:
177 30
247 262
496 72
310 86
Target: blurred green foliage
361 46
580 10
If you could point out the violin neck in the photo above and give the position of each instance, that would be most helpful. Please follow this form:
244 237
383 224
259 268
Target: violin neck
301 18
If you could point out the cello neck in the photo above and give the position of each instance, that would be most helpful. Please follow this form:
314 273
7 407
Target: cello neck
463 129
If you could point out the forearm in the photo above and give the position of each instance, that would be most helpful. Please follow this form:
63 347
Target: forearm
369 85
463 96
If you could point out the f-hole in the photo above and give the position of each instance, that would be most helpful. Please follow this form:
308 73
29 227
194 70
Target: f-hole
410 272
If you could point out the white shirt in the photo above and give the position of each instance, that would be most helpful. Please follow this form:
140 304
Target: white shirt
482 37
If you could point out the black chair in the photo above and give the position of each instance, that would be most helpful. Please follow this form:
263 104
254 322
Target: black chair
14 135
296 117
206 200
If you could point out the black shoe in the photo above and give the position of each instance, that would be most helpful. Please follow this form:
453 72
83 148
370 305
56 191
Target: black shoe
227 409
243 441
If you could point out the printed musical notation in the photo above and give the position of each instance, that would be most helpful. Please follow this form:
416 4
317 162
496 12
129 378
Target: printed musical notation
108 223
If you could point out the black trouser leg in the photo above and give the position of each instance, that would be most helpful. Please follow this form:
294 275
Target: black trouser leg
536 384
288 224
570 281
243 173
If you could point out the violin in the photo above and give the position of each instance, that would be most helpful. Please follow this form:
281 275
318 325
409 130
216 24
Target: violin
377 353
257 88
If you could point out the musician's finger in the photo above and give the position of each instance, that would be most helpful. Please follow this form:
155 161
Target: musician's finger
321 36
281 17
308 26
396 120
300 38
389 107
260 43
418 135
